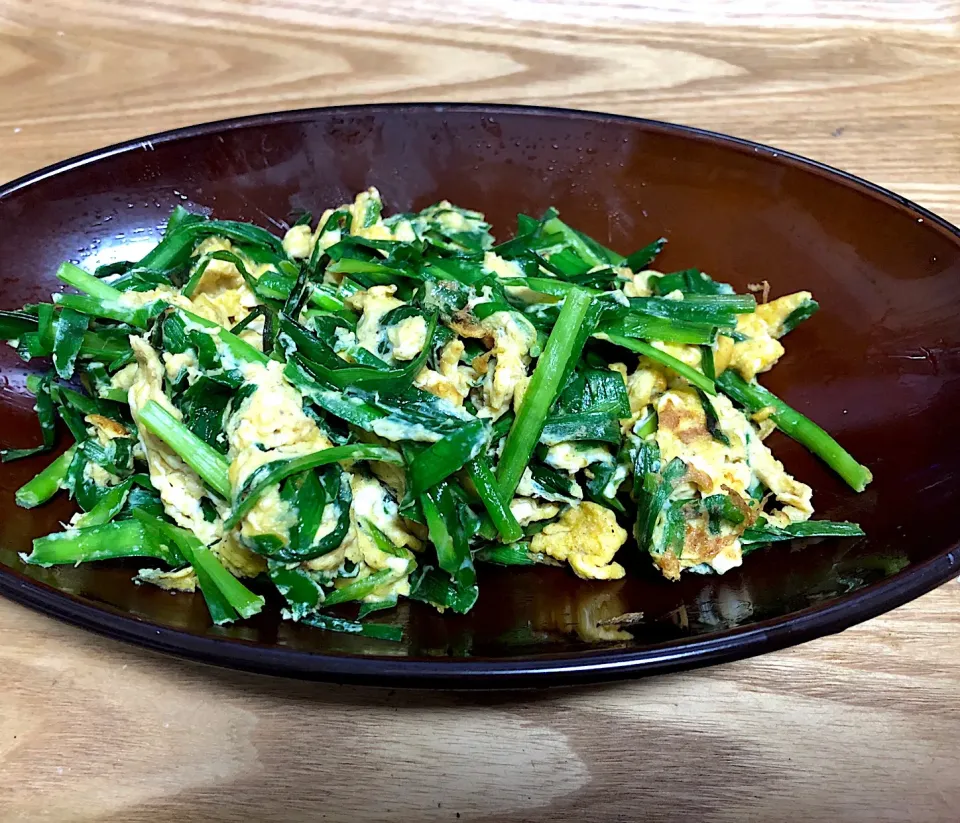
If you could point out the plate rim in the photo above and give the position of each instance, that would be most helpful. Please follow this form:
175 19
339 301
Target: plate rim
567 668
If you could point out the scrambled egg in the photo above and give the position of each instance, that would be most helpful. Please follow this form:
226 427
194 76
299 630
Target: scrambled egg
374 302
178 366
269 425
450 218
219 276
690 355
178 580
222 295
513 336
794 496
453 381
777 311
527 510
99 475
572 457
702 551
365 204
125 378
371 502
761 351
344 342
181 490
758 353
104 428
643 387
138 299
408 337
507 269
298 242
712 467
636 284
588 537
239 560
717 468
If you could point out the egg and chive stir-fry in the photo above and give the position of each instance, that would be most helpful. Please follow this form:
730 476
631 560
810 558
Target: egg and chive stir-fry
363 410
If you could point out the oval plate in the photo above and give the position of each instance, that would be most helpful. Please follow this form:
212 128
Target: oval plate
878 367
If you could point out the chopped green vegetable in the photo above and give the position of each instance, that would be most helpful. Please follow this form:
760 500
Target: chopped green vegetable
362 587
517 554
642 258
105 541
437 588
648 327
202 458
768 533
544 385
486 485
793 424
88 284
653 485
47 483
448 554
298 586
720 508
688 281
719 310
378 631
67 341
180 239
107 507
14 324
802 312
447 456
46 415
96 307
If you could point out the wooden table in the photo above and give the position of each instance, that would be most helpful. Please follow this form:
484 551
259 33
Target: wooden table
863 726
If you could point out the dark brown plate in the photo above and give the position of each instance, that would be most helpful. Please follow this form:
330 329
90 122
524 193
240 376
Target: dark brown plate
878 367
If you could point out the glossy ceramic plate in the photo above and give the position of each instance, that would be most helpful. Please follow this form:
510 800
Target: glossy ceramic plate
878 367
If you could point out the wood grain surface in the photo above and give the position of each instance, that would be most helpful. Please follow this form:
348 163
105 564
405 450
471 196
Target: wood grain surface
862 726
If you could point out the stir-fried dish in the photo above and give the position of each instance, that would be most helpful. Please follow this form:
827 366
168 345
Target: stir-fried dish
363 410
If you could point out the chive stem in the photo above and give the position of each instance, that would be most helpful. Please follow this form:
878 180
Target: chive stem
542 391
47 483
698 379
106 541
82 281
198 455
802 429
496 506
